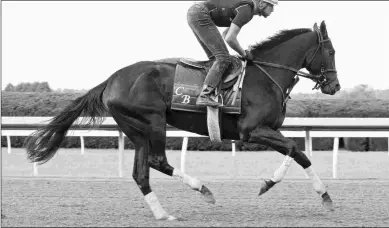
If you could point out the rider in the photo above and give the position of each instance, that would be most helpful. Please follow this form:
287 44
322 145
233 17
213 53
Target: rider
204 18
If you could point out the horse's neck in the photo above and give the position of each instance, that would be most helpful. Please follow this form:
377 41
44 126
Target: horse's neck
292 54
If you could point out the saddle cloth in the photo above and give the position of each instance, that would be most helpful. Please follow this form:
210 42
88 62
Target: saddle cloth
188 82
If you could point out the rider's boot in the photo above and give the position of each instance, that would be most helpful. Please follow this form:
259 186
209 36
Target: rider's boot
205 99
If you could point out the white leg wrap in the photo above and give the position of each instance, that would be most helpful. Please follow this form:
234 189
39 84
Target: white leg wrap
318 185
279 174
156 208
186 179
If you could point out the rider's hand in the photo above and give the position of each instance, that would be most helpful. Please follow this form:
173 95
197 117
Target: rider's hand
248 56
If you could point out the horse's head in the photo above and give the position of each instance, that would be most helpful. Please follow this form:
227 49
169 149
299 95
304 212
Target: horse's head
321 61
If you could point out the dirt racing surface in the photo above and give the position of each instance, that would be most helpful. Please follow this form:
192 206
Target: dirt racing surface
81 190
118 202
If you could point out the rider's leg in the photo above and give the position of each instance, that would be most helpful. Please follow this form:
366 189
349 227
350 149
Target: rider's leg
209 36
212 81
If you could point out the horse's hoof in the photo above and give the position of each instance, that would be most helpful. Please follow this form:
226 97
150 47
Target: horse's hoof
167 217
327 202
207 195
171 218
265 186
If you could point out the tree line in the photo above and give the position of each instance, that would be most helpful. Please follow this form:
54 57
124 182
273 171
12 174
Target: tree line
38 87
52 103
361 91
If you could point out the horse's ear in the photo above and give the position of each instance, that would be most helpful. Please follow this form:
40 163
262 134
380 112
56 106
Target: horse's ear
323 29
315 27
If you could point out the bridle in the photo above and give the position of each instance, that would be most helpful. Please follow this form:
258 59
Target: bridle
321 79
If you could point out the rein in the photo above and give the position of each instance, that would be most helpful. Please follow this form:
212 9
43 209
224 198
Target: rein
286 97
298 72
317 78
320 79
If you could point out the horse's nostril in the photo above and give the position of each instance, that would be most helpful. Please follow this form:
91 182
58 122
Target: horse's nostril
337 87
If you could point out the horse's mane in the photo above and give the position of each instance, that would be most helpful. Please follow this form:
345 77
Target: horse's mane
277 39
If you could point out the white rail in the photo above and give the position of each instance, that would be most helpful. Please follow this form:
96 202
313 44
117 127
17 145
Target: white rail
307 128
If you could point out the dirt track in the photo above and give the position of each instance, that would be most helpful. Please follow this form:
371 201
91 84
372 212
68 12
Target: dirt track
118 202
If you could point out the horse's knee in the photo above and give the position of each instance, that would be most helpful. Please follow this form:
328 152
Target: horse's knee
291 149
302 160
297 155
161 164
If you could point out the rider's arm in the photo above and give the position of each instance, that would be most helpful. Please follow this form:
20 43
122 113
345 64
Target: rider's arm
243 16
232 41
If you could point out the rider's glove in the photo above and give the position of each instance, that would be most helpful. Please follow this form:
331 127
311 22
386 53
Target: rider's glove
248 56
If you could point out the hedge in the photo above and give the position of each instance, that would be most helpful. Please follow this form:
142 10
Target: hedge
51 103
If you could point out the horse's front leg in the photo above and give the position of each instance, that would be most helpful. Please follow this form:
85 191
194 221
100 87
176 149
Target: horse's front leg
266 136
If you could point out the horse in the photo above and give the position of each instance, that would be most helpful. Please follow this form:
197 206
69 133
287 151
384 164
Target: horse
139 98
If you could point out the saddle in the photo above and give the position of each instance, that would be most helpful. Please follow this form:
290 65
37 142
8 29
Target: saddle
188 82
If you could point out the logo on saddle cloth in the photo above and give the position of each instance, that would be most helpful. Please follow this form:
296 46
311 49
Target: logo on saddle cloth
188 82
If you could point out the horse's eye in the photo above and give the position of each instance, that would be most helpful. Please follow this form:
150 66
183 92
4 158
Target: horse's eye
332 53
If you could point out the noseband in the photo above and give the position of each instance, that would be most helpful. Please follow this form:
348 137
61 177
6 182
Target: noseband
321 79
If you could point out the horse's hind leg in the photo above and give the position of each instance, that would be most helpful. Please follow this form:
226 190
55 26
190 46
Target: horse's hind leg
158 160
138 132
149 140
265 135
161 164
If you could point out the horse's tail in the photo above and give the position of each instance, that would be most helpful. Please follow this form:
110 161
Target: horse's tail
42 145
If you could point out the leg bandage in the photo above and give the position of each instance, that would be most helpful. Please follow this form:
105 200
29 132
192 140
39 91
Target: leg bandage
282 170
156 207
318 185
186 179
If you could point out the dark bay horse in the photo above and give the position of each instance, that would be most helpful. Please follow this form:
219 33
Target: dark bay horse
139 99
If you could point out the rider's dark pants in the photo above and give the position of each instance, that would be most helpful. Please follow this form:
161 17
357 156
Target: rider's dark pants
211 41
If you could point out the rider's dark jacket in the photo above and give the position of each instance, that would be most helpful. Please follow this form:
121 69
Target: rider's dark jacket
225 12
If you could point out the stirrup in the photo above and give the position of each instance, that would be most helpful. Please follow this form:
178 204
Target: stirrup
217 94
221 97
